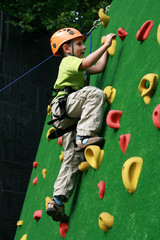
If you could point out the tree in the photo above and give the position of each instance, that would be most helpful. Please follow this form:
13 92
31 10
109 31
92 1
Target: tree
51 15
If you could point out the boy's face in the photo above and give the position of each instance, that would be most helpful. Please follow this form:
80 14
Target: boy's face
79 48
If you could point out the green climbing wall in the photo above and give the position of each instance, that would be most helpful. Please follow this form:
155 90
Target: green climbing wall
135 216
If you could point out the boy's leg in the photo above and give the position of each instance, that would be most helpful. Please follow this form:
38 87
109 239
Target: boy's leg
87 104
67 177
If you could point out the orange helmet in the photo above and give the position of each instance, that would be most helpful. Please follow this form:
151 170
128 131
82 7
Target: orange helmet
62 36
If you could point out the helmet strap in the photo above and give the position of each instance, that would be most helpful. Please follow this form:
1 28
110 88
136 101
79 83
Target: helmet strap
72 54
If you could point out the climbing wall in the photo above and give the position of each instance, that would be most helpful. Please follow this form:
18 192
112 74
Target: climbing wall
130 166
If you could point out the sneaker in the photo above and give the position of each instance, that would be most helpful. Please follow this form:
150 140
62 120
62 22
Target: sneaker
83 142
56 212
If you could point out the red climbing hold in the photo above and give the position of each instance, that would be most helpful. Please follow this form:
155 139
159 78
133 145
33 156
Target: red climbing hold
37 215
156 116
123 142
63 228
35 164
144 30
101 186
60 141
122 33
35 181
113 118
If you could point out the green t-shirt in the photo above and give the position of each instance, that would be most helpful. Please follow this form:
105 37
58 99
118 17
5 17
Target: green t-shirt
70 74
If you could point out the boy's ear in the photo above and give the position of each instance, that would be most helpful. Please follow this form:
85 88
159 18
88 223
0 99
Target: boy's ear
66 48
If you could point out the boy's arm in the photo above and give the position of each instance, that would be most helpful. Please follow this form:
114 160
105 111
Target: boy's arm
99 57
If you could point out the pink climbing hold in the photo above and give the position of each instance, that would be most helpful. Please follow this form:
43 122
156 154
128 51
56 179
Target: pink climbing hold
63 228
122 33
101 186
37 215
113 118
60 141
144 30
156 116
123 142
35 181
35 164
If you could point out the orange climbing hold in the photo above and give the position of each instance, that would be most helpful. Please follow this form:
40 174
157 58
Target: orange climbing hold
101 186
123 142
37 215
60 141
63 228
122 33
144 30
113 118
35 164
156 116
35 181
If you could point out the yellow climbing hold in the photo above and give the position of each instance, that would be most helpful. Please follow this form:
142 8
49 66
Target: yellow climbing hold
110 94
44 172
103 40
47 200
20 223
94 156
105 221
112 48
130 173
61 156
158 34
24 237
103 17
84 166
49 110
147 91
51 130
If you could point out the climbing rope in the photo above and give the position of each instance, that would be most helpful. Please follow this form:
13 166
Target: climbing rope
25 74
95 25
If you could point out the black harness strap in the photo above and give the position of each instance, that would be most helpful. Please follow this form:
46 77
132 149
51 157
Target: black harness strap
62 104
60 132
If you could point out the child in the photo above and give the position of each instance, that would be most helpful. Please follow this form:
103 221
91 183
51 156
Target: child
75 105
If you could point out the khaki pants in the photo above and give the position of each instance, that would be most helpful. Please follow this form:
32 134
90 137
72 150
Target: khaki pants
84 106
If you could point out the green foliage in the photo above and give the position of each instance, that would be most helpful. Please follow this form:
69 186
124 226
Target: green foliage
49 15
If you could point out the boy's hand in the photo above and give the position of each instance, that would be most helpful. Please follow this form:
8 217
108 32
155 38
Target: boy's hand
108 38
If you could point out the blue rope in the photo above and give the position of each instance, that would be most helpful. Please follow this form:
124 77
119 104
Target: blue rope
24 74
88 77
90 50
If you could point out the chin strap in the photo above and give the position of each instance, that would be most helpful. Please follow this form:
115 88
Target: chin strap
72 54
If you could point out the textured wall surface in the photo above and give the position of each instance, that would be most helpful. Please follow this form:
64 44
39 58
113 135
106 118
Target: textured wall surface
135 216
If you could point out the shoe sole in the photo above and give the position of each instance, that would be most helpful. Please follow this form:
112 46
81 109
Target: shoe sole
56 216
82 147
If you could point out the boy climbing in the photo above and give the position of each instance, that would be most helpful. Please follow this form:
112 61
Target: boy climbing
77 109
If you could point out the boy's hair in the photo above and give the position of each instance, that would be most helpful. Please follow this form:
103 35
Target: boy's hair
61 51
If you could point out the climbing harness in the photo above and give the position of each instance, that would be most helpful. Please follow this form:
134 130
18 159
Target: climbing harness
62 106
